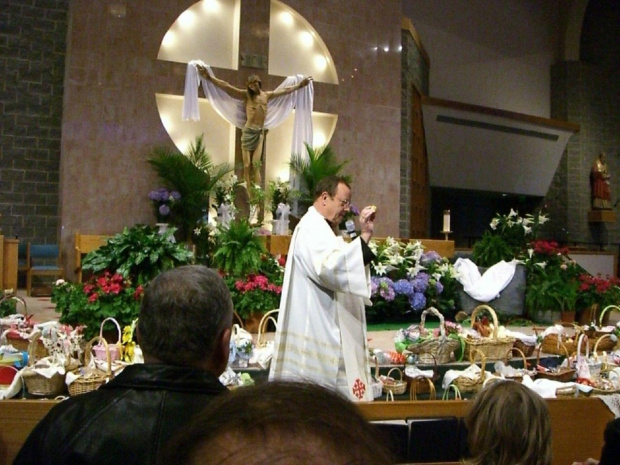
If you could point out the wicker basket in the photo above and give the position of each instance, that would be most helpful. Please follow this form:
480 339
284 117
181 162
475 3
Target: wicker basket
528 350
563 374
116 350
18 341
36 383
493 348
422 385
555 344
89 378
607 365
465 384
524 371
22 316
439 350
262 326
419 384
395 386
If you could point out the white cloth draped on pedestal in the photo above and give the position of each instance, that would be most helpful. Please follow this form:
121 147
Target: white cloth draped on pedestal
486 287
233 110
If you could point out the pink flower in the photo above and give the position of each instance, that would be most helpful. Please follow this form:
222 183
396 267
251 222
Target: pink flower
93 297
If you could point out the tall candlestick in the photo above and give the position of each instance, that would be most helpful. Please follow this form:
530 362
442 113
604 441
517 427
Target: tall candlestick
446 220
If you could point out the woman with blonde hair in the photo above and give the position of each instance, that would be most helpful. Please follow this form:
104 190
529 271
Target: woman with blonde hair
508 424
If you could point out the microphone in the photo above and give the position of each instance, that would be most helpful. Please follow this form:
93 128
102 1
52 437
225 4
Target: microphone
350 226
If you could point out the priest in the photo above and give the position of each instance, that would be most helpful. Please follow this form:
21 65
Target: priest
321 334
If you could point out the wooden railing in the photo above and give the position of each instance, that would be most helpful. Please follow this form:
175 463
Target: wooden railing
577 425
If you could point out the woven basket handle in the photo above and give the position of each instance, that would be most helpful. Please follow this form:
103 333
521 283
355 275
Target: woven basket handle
263 324
561 344
118 328
609 307
437 313
480 308
520 353
414 386
9 296
596 345
32 347
89 348
482 365
583 337
457 393
399 372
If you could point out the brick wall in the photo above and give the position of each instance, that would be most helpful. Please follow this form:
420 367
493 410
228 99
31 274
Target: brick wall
32 65
414 73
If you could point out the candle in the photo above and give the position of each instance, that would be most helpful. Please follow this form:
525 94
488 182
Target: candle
446 220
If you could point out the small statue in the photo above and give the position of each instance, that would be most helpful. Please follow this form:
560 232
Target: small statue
280 224
599 183
225 214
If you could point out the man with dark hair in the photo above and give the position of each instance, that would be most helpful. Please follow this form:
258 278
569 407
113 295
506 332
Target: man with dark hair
184 332
253 133
321 333
279 423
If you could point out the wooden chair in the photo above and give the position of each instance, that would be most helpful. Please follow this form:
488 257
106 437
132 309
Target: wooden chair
85 243
44 260
23 260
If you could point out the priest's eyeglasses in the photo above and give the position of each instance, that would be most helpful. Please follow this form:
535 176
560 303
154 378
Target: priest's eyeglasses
343 203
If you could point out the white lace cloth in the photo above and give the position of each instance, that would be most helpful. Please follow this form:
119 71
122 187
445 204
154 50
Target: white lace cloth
487 286
613 403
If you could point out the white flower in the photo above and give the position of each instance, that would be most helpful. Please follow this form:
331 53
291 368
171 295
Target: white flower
414 270
374 248
59 282
494 223
542 219
527 229
380 269
530 252
512 213
541 265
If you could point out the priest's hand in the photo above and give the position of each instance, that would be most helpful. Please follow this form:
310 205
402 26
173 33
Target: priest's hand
367 222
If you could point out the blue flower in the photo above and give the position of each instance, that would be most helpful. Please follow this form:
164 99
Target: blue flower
420 282
439 287
430 257
164 210
418 301
404 287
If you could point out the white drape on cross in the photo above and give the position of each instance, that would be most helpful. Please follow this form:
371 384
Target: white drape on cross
233 110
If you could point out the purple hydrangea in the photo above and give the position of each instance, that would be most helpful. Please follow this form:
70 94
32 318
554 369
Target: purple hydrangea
384 287
429 258
164 210
403 287
420 282
418 301
439 287
159 195
175 195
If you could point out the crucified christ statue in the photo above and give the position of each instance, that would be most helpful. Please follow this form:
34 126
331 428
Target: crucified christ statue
254 131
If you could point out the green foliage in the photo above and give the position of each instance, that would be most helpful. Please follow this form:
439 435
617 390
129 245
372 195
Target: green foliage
193 175
139 253
8 306
491 249
238 249
321 162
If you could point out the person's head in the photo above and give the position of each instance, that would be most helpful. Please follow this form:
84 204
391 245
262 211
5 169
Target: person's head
186 318
332 198
508 424
253 84
279 422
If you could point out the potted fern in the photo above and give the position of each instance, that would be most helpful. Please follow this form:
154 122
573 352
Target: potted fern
253 276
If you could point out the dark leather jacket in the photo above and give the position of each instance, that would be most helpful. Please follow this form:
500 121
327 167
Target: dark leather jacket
126 421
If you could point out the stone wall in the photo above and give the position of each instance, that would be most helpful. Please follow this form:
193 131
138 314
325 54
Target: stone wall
32 68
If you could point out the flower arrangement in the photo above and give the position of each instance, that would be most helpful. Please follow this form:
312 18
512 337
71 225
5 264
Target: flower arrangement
256 198
260 292
88 304
224 190
552 278
279 192
508 238
406 279
164 201
597 290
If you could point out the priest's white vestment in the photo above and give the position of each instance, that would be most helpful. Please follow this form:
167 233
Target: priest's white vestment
322 321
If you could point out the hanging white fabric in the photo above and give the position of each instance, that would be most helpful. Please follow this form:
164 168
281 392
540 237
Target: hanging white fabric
233 110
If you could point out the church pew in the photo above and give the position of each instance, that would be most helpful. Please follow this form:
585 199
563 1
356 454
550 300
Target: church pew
577 424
